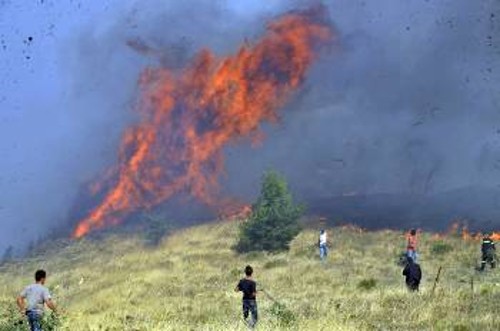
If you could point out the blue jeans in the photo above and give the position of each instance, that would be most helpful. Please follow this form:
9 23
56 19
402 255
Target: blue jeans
413 254
250 307
323 251
35 320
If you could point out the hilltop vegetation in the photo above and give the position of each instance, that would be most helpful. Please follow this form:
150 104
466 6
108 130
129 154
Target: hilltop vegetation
187 282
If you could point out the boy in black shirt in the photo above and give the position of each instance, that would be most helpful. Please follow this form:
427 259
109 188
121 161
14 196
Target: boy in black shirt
249 288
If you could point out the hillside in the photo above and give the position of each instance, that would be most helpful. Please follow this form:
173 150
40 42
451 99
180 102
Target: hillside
187 282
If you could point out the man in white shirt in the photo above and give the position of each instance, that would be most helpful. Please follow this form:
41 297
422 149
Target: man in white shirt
323 245
32 301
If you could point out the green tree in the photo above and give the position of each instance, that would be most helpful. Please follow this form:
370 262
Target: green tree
274 221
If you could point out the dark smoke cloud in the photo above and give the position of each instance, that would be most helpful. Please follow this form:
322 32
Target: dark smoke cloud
405 103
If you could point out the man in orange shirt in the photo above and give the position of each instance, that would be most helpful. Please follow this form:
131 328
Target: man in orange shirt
411 246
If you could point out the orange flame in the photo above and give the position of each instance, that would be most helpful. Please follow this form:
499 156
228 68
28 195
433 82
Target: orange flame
459 230
236 212
188 117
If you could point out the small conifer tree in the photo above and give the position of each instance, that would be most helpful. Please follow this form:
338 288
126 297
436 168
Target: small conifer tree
274 221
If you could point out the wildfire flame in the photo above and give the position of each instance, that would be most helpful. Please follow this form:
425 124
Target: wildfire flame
457 229
242 213
188 117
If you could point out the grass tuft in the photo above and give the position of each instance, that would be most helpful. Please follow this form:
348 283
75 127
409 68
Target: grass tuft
367 284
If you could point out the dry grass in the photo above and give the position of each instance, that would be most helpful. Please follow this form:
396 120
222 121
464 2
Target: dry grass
187 282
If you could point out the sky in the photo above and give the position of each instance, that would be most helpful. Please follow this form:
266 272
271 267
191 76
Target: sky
408 100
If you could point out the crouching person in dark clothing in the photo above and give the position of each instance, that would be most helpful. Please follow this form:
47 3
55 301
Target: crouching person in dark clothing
249 288
413 274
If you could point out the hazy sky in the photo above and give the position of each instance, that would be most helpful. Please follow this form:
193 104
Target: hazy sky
407 102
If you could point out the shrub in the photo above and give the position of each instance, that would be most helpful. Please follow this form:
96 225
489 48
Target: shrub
8 255
275 264
274 220
51 322
11 320
367 284
284 315
440 248
156 229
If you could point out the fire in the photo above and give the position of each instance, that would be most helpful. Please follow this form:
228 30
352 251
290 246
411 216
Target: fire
236 212
189 116
495 236
456 229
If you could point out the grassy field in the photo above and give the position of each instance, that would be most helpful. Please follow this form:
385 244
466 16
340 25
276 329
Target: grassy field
187 282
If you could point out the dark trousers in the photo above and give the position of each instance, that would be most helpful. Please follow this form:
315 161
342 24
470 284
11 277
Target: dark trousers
250 307
488 257
412 285
35 320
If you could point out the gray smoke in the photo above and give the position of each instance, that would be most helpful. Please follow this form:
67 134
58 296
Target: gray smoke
406 103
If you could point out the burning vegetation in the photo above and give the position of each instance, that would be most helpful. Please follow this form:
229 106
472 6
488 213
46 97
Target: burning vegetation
457 229
188 116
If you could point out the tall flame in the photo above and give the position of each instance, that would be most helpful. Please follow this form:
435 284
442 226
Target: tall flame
188 117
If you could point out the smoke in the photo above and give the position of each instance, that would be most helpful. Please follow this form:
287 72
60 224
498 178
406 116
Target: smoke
406 107
406 103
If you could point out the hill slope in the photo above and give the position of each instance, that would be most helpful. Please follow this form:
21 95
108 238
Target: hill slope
186 283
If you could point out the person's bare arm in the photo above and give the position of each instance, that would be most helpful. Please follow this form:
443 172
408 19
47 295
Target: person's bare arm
237 288
51 305
20 304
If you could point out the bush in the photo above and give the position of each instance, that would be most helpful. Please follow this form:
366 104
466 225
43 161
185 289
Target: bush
275 264
274 220
367 284
156 229
51 322
440 248
461 327
11 320
284 316
8 255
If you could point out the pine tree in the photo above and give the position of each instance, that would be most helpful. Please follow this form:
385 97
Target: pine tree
274 220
